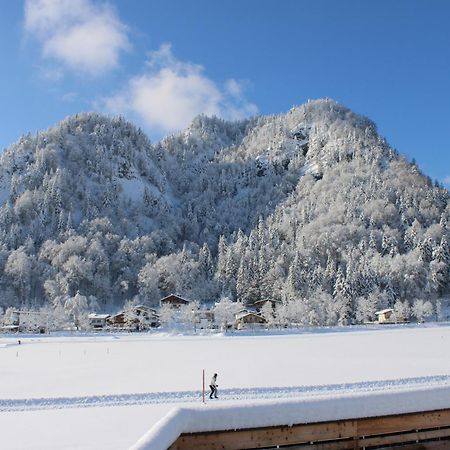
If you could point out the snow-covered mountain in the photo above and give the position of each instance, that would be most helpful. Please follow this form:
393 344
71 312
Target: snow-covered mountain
311 207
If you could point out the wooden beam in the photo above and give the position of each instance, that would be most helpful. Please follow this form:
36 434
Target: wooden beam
335 445
343 445
266 437
437 445
403 422
406 437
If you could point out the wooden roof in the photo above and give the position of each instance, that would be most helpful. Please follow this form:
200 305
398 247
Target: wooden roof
244 316
174 298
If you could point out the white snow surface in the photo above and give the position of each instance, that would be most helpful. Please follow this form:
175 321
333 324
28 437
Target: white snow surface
115 387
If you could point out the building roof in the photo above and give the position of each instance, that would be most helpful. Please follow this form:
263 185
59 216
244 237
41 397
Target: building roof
244 311
244 315
98 316
170 297
384 311
118 314
145 308
10 327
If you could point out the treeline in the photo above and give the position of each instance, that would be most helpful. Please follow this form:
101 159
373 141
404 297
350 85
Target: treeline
311 208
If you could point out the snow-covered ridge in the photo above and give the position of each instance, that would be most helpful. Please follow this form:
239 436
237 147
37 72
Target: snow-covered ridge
274 413
311 207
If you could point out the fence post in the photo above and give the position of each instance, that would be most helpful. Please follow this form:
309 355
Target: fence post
203 392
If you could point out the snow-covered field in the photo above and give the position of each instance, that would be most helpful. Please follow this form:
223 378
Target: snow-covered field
105 391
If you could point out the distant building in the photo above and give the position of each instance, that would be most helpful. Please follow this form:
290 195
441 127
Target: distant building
137 318
173 300
98 321
385 315
249 320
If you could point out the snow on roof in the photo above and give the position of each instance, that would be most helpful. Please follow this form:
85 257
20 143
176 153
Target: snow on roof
117 314
384 311
259 414
98 316
248 313
240 313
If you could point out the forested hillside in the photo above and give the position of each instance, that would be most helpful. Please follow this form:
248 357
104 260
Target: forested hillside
312 208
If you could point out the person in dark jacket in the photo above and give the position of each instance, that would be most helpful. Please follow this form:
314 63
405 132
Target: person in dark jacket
213 386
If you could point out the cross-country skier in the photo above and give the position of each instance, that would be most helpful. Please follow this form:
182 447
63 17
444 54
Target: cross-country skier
213 386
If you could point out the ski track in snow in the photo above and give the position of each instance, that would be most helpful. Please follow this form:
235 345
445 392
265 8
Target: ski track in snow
235 394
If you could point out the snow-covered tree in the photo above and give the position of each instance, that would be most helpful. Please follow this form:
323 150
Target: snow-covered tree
402 311
167 316
77 308
422 310
225 311
188 314
268 312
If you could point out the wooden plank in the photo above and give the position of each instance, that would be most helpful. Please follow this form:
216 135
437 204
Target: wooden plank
437 445
335 445
403 422
406 437
266 437
348 445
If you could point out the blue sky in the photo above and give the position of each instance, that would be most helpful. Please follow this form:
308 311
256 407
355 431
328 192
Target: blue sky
159 63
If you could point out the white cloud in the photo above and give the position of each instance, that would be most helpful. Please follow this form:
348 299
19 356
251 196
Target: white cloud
84 36
447 180
171 92
234 88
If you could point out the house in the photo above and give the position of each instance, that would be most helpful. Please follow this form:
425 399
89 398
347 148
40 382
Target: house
98 321
116 320
260 303
249 320
173 300
137 318
386 316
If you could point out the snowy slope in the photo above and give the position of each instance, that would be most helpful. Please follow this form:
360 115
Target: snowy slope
77 380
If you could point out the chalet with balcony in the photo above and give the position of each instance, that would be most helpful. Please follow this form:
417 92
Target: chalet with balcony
247 319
